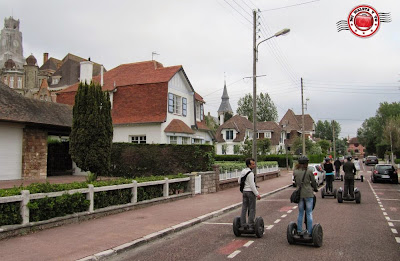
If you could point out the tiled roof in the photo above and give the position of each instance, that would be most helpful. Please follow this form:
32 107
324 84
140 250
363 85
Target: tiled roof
308 122
273 127
353 141
290 121
201 125
237 122
16 108
198 97
178 126
133 73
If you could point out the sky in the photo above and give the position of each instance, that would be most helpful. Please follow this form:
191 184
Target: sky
345 77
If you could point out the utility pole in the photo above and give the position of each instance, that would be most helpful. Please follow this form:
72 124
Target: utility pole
255 88
334 143
302 120
391 148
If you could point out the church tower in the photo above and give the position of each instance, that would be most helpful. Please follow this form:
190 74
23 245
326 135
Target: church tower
11 43
225 106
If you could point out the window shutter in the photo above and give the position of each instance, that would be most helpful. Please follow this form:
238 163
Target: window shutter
201 112
170 102
184 106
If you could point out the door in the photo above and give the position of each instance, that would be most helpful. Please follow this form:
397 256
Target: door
10 151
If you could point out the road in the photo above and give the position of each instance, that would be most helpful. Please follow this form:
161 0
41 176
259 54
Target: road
366 231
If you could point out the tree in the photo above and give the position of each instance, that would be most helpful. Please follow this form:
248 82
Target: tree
325 145
227 116
324 130
263 146
266 109
391 134
92 130
311 148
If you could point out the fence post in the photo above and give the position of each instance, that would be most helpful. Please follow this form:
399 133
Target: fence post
166 188
134 192
24 207
90 197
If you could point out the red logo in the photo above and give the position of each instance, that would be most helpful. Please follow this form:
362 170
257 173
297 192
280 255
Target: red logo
363 21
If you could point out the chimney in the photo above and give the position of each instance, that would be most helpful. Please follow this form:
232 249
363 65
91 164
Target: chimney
45 57
86 71
101 76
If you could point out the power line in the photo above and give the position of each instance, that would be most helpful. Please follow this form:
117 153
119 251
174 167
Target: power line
290 6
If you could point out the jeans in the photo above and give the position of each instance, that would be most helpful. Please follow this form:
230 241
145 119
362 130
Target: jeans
329 180
337 173
249 205
309 205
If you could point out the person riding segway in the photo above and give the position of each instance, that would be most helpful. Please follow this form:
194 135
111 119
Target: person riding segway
337 164
250 194
305 181
349 193
328 189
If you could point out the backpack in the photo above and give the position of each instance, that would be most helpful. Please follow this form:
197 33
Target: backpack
243 181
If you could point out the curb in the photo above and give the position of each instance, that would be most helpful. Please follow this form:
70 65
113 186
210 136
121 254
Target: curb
176 228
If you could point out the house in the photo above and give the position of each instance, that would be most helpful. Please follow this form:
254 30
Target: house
151 104
25 124
292 126
231 135
356 147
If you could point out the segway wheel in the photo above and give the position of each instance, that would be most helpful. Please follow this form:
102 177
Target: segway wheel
358 197
339 197
334 193
341 177
291 231
259 227
362 178
317 235
236 226
323 192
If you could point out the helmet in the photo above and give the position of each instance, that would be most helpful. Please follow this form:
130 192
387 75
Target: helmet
349 157
327 159
303 159
355 158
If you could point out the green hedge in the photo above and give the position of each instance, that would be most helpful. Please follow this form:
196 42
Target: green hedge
397 161
47 208
136 160
280 158
231 166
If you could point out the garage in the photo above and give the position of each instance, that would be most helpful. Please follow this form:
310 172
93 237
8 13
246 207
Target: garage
10 151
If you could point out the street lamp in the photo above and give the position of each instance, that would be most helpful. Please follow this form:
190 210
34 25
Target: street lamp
255 59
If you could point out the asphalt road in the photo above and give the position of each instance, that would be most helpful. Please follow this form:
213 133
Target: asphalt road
366 231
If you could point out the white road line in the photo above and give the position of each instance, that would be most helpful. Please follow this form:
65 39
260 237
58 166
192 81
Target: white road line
394 231
294 207
394 199
395 220
248 243
398 239
390 224
289 211
277 221
384 213
283 216
269 227
388 218
211 223
234 254
382 209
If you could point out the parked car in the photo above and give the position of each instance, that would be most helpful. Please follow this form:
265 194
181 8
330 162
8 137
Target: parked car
384 172
318 172
371 160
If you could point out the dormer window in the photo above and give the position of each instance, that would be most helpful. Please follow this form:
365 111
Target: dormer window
229 135
55 81
177 104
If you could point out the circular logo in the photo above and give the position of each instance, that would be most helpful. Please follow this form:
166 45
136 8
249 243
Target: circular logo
363 21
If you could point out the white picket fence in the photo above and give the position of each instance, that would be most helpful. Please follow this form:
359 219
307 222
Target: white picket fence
236 173
25 196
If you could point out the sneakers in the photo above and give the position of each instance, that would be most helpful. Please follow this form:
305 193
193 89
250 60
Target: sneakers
304 234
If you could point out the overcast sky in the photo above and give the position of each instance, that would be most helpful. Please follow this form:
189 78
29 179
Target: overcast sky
345 77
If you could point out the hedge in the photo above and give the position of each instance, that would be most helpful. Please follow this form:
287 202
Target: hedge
280 158
231 166
397 161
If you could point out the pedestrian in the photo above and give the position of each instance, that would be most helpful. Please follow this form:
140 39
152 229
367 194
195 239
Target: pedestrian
328 167
250 193
357 165
304 177
337 164
349 172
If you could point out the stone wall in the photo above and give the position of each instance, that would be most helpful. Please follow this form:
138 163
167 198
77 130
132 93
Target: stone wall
34 153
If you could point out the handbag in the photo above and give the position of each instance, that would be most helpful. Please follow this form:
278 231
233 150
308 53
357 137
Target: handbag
295 197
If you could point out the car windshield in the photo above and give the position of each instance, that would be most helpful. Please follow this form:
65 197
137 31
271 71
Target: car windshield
384 167
371 157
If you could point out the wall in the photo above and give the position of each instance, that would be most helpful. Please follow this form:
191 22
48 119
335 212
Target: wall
34 153
152 131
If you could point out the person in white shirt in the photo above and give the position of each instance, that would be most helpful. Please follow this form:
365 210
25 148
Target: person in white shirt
357 165
250 193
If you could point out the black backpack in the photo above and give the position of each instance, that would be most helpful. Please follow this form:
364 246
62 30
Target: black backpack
243 181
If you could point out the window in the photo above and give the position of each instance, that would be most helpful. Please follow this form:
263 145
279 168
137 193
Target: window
54 81
267 135
224 148
184 106
175 104
185 140
201 112
11 81
138 139
288 136
5 79
229 135
173 140
19 83
196 141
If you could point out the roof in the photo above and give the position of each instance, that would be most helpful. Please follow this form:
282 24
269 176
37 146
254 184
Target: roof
201 125
238 123
225 105
17 108
198 97
273 127
354 141
51 64
178 126
290 122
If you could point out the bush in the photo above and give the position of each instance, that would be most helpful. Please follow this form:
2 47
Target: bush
397 161
10 214
231 166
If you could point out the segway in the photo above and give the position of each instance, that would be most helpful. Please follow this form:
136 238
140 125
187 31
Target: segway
361 178
293 237
326 193
257 230
357 196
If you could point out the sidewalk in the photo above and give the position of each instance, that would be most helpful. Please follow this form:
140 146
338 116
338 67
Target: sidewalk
97 238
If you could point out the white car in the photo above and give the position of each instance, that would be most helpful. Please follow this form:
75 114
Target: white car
318 172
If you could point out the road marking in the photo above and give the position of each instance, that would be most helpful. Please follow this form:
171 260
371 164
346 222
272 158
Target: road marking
283 216
384 213
398 239
382 209
395 220
394 231
234 254
388 218
211 223
248 243
390 224
269 227
277 221
294 207
394 199
289 211
232 246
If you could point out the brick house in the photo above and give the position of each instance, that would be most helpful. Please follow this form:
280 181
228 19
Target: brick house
151 104
356 147
25 124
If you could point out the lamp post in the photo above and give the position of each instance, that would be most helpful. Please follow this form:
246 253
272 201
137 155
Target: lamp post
255 59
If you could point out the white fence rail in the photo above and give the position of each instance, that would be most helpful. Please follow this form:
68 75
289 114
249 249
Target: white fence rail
25 196
236 173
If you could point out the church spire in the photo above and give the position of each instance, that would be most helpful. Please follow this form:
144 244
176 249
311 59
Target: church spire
225 106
